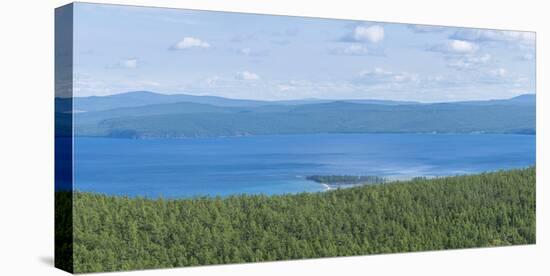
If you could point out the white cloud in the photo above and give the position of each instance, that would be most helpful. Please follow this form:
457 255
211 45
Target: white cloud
376 72
461 46
454 46
405 77
211 81
284 87
190 42
372 34
494 35
361 33
351 50
246 75
468 61
522 43
379 75
461 54
247 51
129 63
499 72
522 82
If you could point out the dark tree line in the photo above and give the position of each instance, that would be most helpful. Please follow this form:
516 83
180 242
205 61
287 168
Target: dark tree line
121 233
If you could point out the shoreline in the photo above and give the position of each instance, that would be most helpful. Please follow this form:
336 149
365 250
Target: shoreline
326 187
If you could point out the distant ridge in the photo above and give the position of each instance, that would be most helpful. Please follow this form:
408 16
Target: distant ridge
150 115
143 98
525 99
528 98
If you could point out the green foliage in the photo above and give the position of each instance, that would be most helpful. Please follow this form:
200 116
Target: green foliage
121 233
64 231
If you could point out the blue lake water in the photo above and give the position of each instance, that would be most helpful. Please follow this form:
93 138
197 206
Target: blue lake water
275 164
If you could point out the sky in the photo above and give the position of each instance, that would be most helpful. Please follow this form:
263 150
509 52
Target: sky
119 49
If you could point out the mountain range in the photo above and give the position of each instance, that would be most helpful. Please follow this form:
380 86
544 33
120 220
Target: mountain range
145 114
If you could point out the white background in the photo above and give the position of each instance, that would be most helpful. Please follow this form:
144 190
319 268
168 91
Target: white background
26 145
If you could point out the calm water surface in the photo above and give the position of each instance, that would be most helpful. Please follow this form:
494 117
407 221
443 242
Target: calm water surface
277 164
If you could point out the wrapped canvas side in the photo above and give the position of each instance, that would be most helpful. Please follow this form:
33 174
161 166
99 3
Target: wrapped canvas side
63 138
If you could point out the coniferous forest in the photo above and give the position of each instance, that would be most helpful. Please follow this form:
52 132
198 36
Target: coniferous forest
122 233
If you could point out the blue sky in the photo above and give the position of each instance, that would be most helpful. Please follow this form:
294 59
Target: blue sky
122 48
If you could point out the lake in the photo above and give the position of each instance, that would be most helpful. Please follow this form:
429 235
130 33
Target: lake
276 164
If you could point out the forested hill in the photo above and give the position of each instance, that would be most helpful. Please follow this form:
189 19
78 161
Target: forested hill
214 116
120 233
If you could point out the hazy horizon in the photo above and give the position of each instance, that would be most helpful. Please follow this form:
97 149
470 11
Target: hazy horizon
297 99
125 48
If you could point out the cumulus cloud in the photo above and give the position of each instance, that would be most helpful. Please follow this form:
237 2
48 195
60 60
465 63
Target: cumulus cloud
247 51
375 72
503 77
188 43
351 50
362 33
468 61
455 47
129 63
246 75
371 34
499 72
523 43
460 46
480 35
461 54
211 81
379 75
